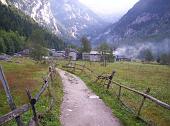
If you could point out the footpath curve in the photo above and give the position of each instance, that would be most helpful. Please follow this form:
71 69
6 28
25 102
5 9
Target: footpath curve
81 107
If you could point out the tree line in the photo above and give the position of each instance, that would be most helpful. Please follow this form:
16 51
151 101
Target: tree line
162 58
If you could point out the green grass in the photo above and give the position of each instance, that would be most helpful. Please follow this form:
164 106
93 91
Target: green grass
52 118
28 74
140 77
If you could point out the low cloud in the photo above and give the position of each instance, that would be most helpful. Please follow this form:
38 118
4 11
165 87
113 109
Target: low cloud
134 51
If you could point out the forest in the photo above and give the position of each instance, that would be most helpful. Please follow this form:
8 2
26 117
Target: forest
17 32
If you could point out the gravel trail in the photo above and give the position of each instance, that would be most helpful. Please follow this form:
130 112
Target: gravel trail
81 107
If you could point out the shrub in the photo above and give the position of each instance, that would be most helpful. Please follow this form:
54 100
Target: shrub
165 59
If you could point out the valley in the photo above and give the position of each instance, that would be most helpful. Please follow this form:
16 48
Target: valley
90 68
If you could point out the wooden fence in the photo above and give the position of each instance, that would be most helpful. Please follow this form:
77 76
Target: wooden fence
17 112
108 78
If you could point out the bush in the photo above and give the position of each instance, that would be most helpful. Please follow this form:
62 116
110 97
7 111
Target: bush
146 55
38 52
165 59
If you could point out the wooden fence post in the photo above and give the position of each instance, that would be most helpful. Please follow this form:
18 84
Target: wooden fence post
120 87
142 103
83 68
9 96
51 75
110 79
51 79
74 67
104 60
33 102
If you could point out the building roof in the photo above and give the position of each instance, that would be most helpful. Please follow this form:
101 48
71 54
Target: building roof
73 50
94 53
85 53
60 51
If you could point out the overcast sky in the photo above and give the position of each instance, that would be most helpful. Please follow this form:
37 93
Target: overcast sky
109 7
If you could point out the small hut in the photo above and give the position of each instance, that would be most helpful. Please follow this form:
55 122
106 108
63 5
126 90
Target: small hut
95 56
73 54
86 56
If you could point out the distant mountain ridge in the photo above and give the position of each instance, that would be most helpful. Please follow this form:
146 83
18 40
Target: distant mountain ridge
67 18
147 20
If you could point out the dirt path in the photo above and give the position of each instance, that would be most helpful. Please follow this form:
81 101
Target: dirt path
81 107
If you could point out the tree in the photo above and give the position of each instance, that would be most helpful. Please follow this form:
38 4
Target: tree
72 46
146 55
2 46
11 42
104 47
38 52
37 37
85 45
111 57
106 50
165 59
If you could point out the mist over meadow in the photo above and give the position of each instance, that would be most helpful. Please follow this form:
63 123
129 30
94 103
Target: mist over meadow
137 50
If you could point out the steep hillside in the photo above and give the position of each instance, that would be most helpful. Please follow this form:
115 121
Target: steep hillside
147 20
40 11
17 29
4 2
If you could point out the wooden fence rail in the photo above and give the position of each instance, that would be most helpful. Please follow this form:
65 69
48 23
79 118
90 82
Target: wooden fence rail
158 102
13 114
43 88
85 67
121 86
17 112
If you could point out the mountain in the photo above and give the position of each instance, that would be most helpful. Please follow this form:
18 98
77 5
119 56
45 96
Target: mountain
148 20
67 18
19 31
4 2
77 18
40 11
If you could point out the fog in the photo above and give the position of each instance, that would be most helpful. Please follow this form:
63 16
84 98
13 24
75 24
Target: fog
134 51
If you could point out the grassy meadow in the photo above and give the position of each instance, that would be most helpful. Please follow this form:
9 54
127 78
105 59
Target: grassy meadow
24 73
138 76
